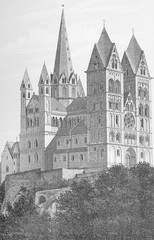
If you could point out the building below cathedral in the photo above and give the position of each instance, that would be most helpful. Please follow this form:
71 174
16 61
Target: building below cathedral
63 128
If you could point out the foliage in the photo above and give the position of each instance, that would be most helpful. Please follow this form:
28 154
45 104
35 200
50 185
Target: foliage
118 205
2 192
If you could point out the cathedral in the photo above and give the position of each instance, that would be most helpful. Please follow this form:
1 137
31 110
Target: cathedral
60 127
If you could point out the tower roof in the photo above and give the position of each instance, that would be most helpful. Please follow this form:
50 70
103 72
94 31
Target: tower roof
63 62
134 53
44 74
105 46
25 80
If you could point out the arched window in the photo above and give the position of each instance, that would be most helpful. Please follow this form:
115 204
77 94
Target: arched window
58 143
73 92
81 157
118 152
29 145
140 109
47 91
29 95
63 80
142 155
36 143
117 87
64 91
23 95
146 110
85 139
72 157
36 157
115 63
142 123
64 158
37 121
55 159
7 168
117 120
118 137
111 85
73 80
76 141
29 158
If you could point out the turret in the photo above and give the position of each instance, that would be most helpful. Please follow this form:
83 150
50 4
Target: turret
26 94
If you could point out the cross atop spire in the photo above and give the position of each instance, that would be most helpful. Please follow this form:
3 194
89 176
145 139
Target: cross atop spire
63 62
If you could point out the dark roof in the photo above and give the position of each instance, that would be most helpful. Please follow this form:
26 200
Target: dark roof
125 96
79 129
13 148
78 105
63 131
71 150
134 53
105 46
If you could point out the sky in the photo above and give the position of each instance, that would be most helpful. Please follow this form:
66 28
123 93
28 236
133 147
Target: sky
28 37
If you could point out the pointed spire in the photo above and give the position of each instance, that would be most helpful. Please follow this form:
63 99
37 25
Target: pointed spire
25 80
44 74
134 53
63 63
105 46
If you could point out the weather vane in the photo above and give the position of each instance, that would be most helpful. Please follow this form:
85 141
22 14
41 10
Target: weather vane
133 31
103 22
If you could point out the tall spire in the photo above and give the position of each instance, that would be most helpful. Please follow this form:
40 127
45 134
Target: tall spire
63 62
44 74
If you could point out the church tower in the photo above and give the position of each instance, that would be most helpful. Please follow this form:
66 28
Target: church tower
104 104
64 81
26 93
137 123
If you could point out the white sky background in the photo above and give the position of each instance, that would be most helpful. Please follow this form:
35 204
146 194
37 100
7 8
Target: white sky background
28 37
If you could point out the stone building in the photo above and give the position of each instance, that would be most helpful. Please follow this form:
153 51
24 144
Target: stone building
113 124
63 128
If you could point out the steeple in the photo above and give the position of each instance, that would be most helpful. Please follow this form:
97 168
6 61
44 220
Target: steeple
26 81
104 46
63 62
44 75
134 53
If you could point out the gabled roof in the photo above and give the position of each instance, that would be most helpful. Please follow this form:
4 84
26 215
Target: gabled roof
33 98
57 106
44 74
105 46
134 53
78 105
63 62
13 147
80 128
25 80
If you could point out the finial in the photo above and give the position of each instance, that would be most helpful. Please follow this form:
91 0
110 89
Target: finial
133 31
104 23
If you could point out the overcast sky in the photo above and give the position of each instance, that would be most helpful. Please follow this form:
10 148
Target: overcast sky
28 37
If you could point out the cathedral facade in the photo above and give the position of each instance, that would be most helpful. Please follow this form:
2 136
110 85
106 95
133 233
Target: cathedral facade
60 127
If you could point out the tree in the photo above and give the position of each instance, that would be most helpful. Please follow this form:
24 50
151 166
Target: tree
110 208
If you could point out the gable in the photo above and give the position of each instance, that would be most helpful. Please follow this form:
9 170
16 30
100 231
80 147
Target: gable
114 60
33 101
95 60
143 67
126 65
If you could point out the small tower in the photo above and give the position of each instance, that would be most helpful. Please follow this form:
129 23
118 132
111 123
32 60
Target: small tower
26 94
64 81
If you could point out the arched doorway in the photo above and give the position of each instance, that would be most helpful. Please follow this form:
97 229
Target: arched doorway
130 157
